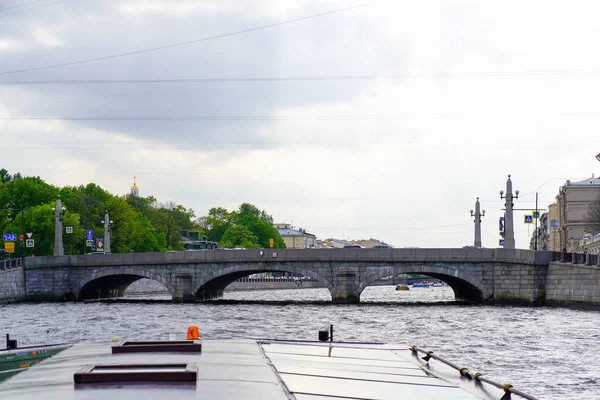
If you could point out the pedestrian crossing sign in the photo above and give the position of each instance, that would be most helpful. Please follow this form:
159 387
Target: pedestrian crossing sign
529 219
501 242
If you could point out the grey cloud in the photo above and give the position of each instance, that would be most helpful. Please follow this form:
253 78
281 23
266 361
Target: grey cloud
332 45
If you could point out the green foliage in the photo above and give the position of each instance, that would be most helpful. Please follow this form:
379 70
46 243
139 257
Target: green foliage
219 221
140 224
216 223
239 236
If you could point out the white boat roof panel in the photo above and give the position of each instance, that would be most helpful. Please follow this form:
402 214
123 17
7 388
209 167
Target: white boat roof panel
360 389
242 369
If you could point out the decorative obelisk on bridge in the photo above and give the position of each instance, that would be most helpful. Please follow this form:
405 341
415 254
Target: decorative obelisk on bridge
477 214
58 238
107 224
509 232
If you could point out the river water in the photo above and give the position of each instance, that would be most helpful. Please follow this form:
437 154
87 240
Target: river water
551 353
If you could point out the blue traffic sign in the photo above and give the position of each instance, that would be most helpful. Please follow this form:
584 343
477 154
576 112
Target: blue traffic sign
554 223
90 234
501 242
529 219
10 237
536 214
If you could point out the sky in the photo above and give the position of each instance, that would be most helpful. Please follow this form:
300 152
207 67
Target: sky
352 120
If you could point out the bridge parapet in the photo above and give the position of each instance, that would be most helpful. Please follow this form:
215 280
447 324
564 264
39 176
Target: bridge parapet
426 255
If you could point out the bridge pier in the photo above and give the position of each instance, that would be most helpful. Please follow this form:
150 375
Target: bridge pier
345 287
183 292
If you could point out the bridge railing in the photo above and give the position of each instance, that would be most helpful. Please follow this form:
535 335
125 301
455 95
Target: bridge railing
10 264
575 258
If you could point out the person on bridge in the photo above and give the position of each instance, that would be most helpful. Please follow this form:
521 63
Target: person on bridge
193 333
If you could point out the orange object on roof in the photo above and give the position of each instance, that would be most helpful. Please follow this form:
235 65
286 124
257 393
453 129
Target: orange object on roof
193 333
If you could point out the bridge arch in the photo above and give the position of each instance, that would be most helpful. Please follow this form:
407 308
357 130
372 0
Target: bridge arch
212 284
111 283
465 286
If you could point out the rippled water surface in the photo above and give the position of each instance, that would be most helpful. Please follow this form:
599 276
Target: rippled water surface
551 353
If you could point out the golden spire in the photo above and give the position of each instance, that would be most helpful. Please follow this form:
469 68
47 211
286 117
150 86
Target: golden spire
134 186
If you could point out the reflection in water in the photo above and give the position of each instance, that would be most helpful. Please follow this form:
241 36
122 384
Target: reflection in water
535 349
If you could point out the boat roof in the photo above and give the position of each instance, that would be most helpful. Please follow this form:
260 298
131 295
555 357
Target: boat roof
261 369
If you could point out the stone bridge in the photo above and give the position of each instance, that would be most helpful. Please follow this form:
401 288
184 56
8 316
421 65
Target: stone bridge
475 275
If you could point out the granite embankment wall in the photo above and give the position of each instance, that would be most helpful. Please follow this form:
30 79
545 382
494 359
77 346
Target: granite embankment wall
572 284
12 285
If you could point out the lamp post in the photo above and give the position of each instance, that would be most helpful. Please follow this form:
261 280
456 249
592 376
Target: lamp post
107 223
478 214
58 239
509 232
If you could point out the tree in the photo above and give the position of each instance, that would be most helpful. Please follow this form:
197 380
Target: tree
260 224
88 201
593 216
239 236
40 221
130 230
216 223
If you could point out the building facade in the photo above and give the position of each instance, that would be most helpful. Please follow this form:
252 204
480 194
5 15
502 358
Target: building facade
295 238
553 224
572 203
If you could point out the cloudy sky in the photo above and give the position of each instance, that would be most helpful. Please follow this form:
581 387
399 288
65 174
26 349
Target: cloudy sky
349 119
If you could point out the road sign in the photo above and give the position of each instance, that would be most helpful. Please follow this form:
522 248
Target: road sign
10 237
89 243
21 238
271 242
99 243
500 242
536 214
554 223
274 254
529 219
29 243
29 235
69 229
9 247
90 234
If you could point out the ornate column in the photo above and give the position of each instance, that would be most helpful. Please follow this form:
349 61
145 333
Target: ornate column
478 214
509 232
58 238
107 224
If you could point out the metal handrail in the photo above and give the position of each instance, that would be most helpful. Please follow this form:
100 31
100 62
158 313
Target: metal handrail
508 388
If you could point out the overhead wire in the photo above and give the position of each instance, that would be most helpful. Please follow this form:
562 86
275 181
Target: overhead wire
19 5
304 78
33 8
235 33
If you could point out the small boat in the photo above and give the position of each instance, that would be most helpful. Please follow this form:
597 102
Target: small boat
13 361
425 285
402 287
